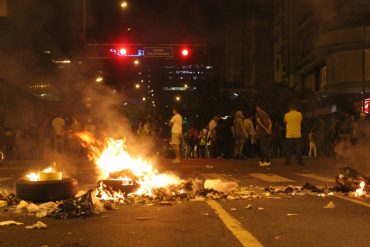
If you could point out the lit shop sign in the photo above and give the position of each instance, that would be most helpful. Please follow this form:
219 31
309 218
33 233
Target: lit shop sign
367 106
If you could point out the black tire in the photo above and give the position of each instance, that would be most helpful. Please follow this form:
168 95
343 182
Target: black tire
45 191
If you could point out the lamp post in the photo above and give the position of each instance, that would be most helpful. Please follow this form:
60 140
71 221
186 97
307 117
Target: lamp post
363 71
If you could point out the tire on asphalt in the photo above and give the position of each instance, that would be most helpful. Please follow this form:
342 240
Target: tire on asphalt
45 191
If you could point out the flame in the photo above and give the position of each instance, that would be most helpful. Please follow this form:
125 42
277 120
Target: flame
360 191
35 176
111 156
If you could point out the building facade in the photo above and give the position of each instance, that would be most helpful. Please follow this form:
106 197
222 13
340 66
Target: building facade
322 47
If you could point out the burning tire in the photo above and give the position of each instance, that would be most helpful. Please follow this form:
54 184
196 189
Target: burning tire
44 191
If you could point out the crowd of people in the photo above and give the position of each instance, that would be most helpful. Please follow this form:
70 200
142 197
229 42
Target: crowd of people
240 135
255 134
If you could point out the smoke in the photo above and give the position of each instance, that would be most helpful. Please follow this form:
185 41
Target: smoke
356 153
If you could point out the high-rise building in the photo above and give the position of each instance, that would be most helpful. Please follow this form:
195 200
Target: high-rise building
322 47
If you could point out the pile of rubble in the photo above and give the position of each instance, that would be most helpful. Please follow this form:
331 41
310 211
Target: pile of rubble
86 203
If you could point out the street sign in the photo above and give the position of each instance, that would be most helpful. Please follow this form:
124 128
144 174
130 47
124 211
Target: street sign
158 52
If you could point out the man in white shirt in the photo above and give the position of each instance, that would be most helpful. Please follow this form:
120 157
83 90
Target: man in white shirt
176 133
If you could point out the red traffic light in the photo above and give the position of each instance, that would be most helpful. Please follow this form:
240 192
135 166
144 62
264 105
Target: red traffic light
122 52
184 52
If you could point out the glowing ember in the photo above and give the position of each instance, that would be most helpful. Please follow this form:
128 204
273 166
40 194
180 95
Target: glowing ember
360 191
48 173
111 157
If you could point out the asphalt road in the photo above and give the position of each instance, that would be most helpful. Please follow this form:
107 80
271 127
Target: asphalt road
282 221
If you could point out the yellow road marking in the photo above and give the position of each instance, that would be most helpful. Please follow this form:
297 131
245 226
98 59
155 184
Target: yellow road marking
353 200
244 237
222 177
269 177
316 177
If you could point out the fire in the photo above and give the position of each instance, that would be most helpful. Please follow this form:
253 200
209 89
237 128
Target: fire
114 162
48 173
360 191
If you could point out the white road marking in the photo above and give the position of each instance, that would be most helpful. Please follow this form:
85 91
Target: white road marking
353 200
244 237
316 177
269 177
222 177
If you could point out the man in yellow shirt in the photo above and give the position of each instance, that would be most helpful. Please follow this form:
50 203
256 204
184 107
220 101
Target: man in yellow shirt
293 121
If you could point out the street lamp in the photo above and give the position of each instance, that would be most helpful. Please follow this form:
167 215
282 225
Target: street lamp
136 62
124 4
137 85
178 98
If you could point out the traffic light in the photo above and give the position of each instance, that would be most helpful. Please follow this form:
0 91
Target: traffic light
185 52
122 52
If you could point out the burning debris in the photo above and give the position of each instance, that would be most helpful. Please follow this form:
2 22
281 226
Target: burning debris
351 181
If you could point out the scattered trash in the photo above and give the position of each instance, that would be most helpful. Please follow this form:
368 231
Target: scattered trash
165 203
277 237
144 218
233 209
10 198
249 206
204 214
349 180
313 188
209 167
220 186
75 207
198 199
330 205
37 225
10 222
291 214
260 208
3 203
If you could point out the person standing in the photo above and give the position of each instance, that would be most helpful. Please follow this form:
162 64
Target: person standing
313 150
264 126
58 126
240 134
248 123
176 132
293 120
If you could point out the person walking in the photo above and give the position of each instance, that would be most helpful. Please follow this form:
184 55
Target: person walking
264 126
313 150
293 120
176 133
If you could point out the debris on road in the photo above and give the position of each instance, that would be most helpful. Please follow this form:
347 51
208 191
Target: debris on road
249 206
291 214
349 180
75 207
10 198
220 186
260 208
330 205
233 209
209 167
37 225
144 218
10 222
3 203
